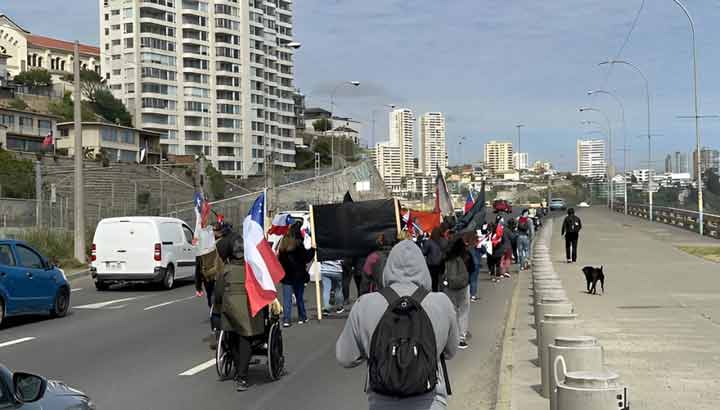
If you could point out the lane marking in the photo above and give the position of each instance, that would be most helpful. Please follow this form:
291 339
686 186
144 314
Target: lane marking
101 305
16 341
75 290
169 302
199 368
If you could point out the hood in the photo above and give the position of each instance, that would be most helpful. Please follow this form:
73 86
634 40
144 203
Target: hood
406 264
57 388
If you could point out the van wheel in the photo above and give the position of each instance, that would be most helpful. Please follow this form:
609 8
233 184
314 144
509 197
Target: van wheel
169 279
62 303
101 285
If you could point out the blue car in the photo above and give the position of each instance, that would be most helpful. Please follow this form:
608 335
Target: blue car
29 284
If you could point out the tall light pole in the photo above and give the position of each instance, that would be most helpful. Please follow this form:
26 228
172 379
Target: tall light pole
649 137
610 148
519 126
622 113
332 112
697 116
79 233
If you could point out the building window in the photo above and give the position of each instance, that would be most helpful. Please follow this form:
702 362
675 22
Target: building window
25 122
108 134
115 12
129 42
128 12
128 28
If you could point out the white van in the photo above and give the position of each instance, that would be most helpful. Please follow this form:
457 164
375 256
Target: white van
142 248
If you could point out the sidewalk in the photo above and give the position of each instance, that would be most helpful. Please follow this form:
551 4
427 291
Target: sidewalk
659 322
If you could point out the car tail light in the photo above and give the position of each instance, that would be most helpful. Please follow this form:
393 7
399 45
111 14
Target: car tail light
93 253
158 252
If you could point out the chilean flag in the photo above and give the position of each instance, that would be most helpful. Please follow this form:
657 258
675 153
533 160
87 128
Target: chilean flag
469 202
262 268
280 225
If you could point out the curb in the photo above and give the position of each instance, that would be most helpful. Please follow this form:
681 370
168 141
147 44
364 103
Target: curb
504 391
78 275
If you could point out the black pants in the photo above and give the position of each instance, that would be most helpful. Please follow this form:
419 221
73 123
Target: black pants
209 289
571 244
241 352
435 273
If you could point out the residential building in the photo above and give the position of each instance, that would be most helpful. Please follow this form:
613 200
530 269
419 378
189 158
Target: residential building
641 175
310 115
591 158
542 166
420 185
28 51
346 133
3 69
520 160
387 161
479 172
668 163
433 146
498 156
681 164
26 130
402 131
119 143
214 77
709 159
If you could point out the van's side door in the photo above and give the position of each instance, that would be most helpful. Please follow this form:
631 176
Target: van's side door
188 250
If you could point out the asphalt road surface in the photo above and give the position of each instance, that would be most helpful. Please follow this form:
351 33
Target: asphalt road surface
128 348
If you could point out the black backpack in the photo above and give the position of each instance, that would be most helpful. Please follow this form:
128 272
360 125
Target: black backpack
524 225
573 224
403 354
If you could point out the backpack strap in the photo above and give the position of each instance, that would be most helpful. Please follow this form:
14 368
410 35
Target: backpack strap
389 294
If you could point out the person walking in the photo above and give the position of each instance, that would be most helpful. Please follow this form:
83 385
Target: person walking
294 259
373 266
332 274
456 286
571 231
472 241
525 230
367 337
433 252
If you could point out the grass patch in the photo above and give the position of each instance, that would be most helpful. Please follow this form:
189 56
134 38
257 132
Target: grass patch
58 246
711 253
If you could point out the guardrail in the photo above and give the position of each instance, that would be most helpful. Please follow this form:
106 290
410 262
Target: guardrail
681 218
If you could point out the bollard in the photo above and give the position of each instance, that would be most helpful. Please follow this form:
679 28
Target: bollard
582 353
552 305
598 390
551 327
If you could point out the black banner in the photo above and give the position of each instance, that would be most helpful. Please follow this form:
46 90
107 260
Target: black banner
351 229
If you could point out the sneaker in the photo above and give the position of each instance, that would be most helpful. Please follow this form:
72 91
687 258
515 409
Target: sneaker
340 310
463 345
326 312
302 322
474 299
506 275
241 384
468 336
286 324
569 261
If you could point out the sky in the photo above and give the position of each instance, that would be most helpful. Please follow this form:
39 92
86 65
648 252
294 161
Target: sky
489 65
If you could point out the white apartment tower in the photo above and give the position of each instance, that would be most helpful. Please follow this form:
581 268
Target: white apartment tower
591 158
387 162
433 148
402 131
214 76
520 160
498 156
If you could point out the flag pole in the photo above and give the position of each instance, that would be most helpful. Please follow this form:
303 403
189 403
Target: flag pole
397 218
315 260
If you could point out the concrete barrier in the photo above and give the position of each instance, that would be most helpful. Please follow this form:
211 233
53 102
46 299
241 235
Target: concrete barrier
582 353
589 390
554 305
552 327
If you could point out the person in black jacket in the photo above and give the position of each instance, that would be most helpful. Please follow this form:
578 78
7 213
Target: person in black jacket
294 259
571 230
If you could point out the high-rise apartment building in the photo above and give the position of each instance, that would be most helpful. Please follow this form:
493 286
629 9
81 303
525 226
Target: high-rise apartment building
498 156
402 132
669 164
709 159
681 164
387 161
520 160
214 76
433 147
591 158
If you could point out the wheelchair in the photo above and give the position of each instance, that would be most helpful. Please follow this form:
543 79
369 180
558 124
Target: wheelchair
268 346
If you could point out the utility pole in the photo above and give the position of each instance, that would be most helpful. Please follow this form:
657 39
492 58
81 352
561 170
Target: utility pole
38 194
79 187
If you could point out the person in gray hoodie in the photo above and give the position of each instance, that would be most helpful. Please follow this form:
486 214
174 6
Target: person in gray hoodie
405 271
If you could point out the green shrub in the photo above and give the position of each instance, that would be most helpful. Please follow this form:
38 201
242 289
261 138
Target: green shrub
57 246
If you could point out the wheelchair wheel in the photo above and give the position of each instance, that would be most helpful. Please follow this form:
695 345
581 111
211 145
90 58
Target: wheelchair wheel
223 359
275 357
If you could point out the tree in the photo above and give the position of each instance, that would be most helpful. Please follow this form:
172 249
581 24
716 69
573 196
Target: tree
322 125
17 104
65 109
110 108
90 83
34 78
17 176
216 182
323 147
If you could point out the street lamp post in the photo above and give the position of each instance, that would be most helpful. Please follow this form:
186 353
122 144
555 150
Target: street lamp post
697 116
518 126
332 111
622 113
649 137
610 145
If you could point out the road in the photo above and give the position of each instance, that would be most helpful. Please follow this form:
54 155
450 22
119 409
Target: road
127 347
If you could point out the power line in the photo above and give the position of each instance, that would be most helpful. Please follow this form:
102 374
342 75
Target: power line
625 42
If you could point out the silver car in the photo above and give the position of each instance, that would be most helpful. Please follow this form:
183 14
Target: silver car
558 204
23 391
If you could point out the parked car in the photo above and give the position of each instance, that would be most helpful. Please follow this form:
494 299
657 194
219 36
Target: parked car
142 249
23 391
501 205
29 283
558 204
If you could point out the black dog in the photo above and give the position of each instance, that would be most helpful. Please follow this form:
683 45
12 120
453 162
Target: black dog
592 276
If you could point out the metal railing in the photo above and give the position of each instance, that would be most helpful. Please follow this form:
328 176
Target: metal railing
681 218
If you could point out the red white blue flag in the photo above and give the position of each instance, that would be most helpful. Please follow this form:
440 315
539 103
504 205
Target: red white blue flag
280 224
262 268
469 202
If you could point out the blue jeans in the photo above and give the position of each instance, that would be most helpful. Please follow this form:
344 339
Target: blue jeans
477 261
332 282
299 292
523 249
